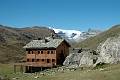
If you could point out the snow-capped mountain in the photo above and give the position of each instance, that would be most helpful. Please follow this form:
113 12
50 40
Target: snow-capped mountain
75 35
70 34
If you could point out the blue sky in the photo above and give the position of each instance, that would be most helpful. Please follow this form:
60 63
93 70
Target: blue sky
65 14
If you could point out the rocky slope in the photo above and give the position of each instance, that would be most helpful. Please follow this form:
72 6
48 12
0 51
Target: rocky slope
13 39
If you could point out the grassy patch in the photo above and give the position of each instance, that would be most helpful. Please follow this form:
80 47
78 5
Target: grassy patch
109 72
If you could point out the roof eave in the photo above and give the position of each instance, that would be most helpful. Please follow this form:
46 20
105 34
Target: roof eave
40 48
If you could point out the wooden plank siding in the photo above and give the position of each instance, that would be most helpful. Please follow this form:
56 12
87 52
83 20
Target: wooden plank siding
41 57
44 57
61 49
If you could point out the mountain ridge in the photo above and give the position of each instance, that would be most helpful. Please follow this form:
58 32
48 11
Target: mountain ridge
93 42
76 35
13 39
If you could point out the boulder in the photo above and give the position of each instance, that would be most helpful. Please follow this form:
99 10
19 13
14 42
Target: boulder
83 59
109 51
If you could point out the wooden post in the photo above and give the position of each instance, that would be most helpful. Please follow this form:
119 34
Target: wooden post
30 69
14 68
21 68
26 68
41 68
51 64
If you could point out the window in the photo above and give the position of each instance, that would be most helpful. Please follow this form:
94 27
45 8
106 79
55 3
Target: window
32 52
28 60
48 52
28 52
33 60
38 52
48 60
38 60
53 60
42 60
41 52
52 52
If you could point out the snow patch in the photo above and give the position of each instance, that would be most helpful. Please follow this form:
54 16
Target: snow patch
71 34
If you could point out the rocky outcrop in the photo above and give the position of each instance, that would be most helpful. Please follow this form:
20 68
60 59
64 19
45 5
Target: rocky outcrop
83 59
109 51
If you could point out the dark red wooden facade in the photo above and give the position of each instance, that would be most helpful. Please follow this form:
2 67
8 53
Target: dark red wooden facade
46 57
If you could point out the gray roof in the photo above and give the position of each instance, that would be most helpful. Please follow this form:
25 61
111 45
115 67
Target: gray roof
51 43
